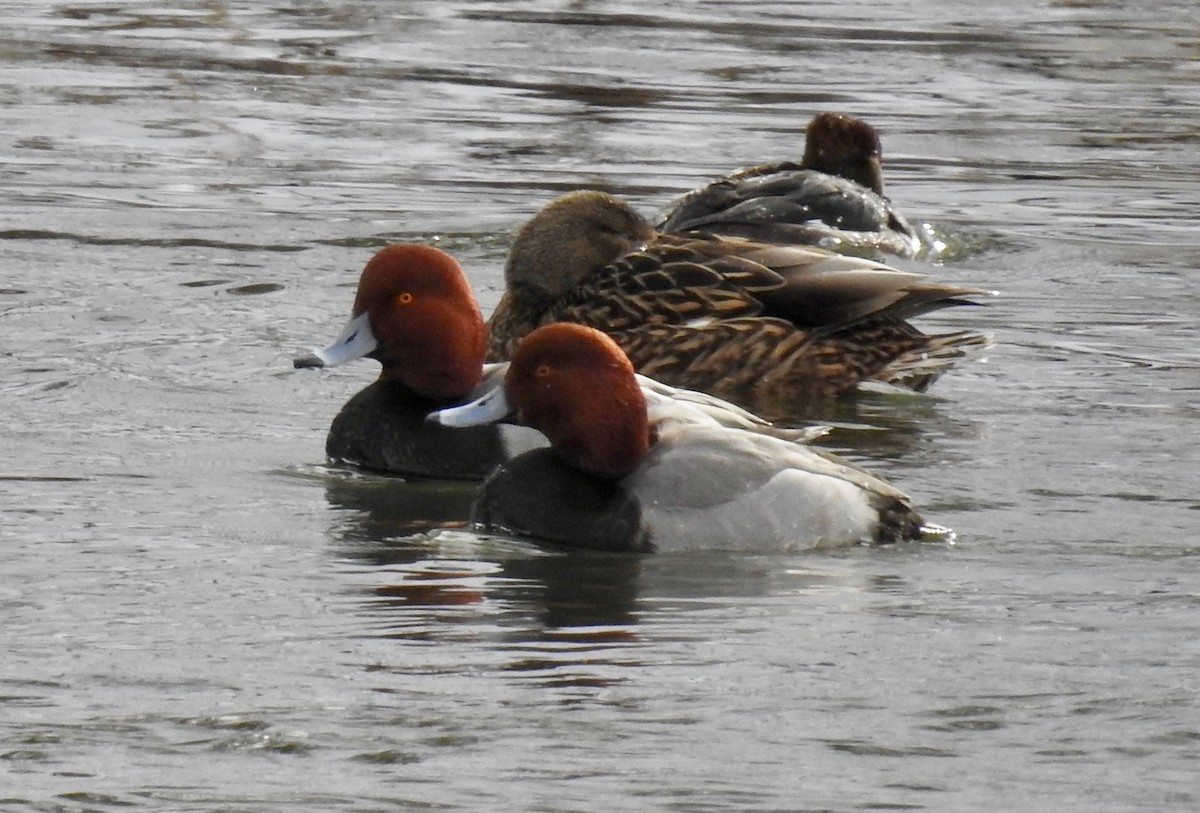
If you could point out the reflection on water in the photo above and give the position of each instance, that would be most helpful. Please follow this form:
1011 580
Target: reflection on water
375 508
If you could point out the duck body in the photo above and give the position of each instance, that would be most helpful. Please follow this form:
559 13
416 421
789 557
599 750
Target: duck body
633 470
699 488
771 327
383 428
786 202
833 197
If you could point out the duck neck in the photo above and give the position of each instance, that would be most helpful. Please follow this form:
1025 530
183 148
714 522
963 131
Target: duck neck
607 438
518 312
438 388
441 360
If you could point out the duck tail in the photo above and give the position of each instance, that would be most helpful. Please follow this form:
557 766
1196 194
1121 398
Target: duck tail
918 368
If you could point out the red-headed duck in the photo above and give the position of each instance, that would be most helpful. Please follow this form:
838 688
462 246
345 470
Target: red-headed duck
833 198
773 328
415 314
630 473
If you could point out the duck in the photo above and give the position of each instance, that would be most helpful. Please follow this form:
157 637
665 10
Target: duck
630 473
773 328
832 198
415 313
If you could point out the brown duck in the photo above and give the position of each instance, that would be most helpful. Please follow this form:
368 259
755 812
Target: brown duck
770 327
833 198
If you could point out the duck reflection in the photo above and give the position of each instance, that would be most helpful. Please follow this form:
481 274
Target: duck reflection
889 425
414 532
374 509
568 620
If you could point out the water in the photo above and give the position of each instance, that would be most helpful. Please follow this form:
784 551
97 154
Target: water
199 615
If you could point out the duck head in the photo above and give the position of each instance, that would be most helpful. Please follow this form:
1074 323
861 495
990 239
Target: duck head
570 238
842 145
416 315
574 385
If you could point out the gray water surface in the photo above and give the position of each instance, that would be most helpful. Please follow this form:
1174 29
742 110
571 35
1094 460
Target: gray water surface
200 615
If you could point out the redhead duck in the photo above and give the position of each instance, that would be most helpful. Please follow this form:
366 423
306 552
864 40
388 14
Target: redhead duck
773 328
415 314
631 473
833 198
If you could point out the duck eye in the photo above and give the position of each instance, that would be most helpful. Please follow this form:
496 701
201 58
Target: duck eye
405 298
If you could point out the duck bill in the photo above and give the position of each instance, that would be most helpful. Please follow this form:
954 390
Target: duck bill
491 407
355 341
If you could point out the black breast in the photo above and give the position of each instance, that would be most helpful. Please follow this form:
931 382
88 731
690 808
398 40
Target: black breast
383 428
537 495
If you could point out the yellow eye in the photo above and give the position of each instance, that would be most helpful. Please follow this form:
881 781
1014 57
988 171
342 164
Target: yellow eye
542 371
405 298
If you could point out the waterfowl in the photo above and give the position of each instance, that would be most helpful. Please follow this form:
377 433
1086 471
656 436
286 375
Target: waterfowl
833 198
631 473
773 328
414 312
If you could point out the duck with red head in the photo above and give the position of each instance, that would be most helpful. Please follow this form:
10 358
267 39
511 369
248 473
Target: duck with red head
628 471
416 315
832 198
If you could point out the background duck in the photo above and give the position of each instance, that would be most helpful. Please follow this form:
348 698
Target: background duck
414 312
833 198
773 328
625 474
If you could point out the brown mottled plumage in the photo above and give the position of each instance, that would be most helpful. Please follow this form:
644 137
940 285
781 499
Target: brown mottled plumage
767 326
833 198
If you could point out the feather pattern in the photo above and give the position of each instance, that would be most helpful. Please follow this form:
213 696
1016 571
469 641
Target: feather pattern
750 322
